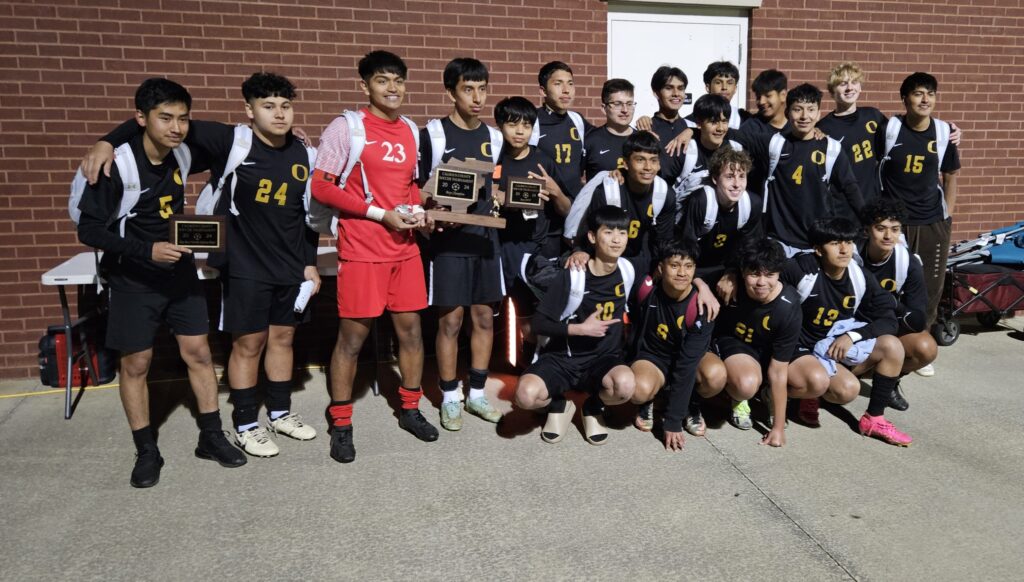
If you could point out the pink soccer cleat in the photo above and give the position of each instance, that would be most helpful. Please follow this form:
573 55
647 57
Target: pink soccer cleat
880 428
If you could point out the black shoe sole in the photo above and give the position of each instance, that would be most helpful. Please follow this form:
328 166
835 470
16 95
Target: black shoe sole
210 457
427 438
341 459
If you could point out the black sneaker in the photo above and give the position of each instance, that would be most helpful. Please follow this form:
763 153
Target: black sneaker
413 421
146 472
213 445
896 399
342 449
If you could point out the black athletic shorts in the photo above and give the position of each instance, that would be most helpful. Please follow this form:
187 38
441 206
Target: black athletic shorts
561 374
248 306
464 281
135 317
729 346
660 362
801 351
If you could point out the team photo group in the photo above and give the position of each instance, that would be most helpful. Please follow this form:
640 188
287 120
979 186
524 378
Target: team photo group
655 261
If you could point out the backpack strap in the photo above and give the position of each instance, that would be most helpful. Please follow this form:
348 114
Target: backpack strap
736 146
535 134
628 277
612 191
744 210
577 120
806 285
892 132
832 152
183 155
942 131
357 142
581 203
128 169
438 142
901 256
710 209
320 218
416 137
687 181
859 283
577 281
497 143
774 155
692 314
240 147
734 118
658 198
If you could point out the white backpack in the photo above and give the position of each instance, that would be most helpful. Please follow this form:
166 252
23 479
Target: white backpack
832 152
318 216
689 180
127 168
612 195
806 285
577 121
711 210
438 142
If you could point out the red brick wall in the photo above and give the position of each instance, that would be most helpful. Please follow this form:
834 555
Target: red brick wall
975 49
69 70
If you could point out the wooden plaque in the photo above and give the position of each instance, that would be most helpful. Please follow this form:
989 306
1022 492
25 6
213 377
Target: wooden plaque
199 233
524 193
463 218
455 187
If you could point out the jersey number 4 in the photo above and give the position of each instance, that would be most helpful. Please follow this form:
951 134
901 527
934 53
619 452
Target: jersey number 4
263 193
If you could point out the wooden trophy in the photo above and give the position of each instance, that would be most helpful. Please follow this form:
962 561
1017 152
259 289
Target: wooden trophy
455 186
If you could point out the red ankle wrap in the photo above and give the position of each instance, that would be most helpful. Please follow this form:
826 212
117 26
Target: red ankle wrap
410 398
341 414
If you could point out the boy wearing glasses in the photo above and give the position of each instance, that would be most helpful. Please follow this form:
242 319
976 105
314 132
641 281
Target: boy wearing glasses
604 144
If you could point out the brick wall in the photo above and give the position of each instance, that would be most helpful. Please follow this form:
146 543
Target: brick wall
69 70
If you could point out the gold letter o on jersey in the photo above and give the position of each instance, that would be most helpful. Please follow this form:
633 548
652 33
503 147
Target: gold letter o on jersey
931 147
573 134
485 149
681 321
300 172
764 323
871 126
848 301
818 157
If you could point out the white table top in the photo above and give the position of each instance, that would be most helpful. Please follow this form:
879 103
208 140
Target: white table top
81 268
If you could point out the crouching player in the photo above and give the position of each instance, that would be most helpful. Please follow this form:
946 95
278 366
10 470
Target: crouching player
899 272
671 346
849 327
756 337
581 315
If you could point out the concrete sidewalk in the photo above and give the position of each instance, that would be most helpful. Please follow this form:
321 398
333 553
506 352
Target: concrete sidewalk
497 503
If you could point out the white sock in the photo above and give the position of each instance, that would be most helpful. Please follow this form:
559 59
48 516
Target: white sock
276 414
246 427
452 396
475 393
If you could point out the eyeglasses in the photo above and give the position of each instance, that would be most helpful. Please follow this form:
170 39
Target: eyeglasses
620 105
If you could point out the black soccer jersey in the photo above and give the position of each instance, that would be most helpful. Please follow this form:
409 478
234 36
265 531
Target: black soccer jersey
604 152
797 196
127 262
644 234
718 243
831 300
518 229
605 292
672 332
912 298
772 329
756 128
667 131
461 144
912 173
858 133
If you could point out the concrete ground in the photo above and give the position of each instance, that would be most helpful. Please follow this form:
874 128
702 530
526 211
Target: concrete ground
497 503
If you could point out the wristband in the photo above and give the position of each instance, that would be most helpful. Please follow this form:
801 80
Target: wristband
374 213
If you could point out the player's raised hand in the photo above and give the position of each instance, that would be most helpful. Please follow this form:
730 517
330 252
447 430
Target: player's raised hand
100 156
594 326
679 144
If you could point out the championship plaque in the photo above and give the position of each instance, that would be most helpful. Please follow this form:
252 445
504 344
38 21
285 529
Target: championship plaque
455 186
524 193
199 233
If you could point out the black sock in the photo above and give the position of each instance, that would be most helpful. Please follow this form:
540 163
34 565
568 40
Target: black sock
449 385
557 404
144 438
279 395
209 421
246 403
477 378
881 393
593 406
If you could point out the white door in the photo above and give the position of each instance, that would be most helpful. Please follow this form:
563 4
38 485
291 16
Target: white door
640 42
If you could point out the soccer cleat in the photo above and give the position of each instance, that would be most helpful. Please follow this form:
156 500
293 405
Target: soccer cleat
558 423
342 449
896 399
594 429
926 371
880 428
808 412
214 446
256 442
741 415
644 420
694 423
412 420
482 408
451 415
146 472
291 425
